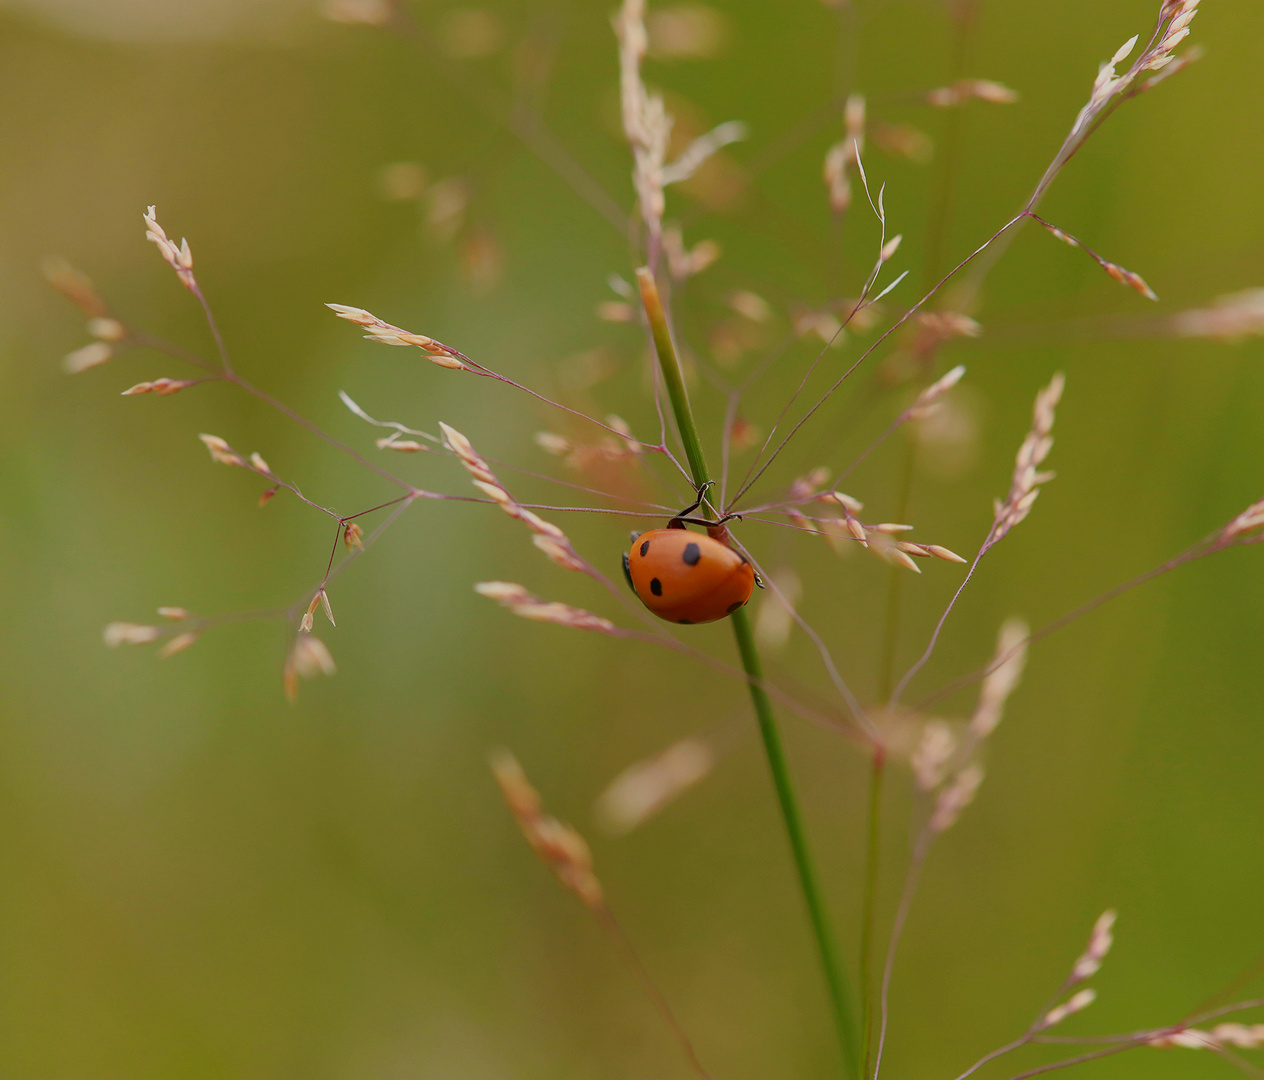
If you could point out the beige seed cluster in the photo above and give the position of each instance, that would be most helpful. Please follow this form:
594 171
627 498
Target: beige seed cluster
1175 17
646 122
946 97
548 537
1027 479
646 787
1077 1002
1123 276
388 334
1229 318
946 755
522 603
558 845
955 797
308 657
1099 944
928 401
1007 670
180 259
128 633
159 386
1248 521
1240 1036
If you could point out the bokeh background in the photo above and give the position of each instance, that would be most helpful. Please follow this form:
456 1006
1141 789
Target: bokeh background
199 880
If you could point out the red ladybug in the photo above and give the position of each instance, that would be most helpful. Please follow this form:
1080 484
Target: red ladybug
687 577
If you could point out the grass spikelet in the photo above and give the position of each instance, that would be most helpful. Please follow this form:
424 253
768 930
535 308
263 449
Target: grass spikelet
89 356
1027 479
522 603
162 387
1099 944
126 633
180 258
220 451
76 287
559 846
1003 676
388 334
643 789
549 538
308 657
954 798
1077 1002
179 643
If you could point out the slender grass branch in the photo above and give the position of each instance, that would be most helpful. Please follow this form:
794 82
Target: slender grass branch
839 990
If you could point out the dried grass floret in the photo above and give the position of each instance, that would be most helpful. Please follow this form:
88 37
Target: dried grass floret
1003 676
646 787
389 334
307 658
549 538
1027 479
1241 1036
180 258
522 603
995 93
1229 318
559 846
162 387
1077 1002
127 633
89 356
1099 944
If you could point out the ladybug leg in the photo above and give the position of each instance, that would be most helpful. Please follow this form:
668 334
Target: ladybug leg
678 522
627 571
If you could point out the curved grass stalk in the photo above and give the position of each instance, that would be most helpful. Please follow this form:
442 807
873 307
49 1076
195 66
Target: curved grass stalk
840 992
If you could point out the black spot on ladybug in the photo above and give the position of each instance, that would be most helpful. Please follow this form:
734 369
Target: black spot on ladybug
734 607
685 622
645 548
692 554
627 571
656 587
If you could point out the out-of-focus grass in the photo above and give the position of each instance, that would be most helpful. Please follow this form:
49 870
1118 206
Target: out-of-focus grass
200 881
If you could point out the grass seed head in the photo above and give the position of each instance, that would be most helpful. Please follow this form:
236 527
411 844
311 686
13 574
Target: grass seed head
162 387
955 798
558 845
1027 479
126 633
1077 1002
179 643
1008 662
308 657
527 606
90 356
642 790
180 258
1099 943
76 287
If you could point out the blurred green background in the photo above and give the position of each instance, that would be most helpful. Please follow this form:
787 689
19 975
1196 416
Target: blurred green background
198 880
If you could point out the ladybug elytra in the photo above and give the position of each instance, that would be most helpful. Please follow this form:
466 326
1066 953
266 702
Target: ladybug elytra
687 577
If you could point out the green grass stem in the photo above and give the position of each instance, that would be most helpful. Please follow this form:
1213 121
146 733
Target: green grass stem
827 946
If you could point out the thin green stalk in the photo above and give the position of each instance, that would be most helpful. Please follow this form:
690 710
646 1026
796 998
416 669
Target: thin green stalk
872 864
827 946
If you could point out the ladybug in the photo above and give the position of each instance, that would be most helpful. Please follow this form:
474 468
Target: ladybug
688 577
